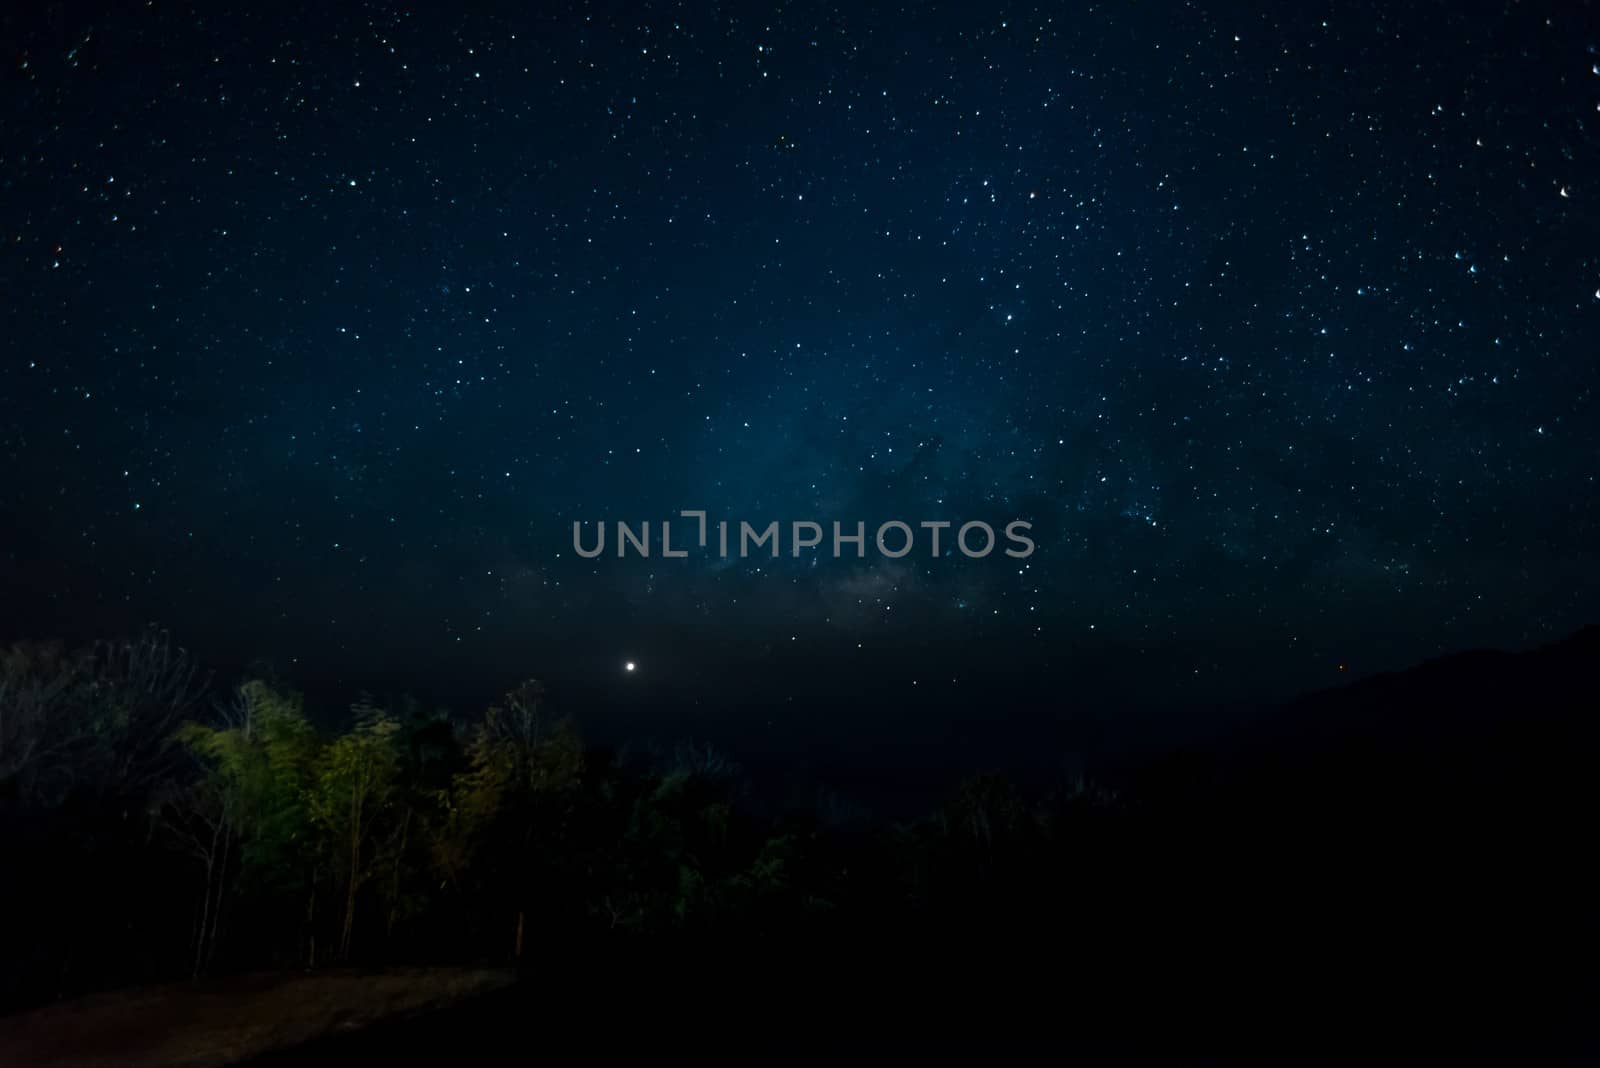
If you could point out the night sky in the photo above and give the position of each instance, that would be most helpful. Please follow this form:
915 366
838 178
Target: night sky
1279 323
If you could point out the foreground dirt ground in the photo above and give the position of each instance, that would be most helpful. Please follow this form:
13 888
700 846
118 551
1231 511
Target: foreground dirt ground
225 1021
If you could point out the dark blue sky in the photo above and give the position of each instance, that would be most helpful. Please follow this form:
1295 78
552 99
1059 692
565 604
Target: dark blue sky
1278 322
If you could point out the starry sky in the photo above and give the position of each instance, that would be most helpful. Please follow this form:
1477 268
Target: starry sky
1279 323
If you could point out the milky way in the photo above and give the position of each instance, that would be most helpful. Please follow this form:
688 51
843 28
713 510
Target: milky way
1278 324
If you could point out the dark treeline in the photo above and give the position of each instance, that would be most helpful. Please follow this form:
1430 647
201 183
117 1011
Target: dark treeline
1423 832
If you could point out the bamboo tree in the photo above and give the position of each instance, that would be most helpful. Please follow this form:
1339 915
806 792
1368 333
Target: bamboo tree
246 813
353 794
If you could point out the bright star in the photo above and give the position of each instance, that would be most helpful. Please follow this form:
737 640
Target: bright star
629 666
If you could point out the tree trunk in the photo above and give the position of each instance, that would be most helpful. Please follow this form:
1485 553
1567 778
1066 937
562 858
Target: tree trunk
394 888
311 922
200 932
222 889
204 934
355 870
349 913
